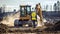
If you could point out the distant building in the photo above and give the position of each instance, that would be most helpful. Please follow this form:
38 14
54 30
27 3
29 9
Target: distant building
46 7
0 9
50 7
56 6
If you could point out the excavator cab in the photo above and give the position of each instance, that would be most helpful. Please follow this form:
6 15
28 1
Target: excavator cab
25 11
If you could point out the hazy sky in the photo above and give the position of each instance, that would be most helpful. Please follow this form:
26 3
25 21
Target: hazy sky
30 2
16 3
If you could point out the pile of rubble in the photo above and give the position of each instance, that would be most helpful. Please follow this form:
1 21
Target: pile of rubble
55 27
3 28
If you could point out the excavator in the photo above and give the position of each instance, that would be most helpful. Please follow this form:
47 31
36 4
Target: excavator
25 19
25 15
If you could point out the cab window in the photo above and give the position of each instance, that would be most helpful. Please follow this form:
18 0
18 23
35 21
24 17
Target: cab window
28 10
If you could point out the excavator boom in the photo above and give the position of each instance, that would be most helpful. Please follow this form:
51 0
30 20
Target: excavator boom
39 12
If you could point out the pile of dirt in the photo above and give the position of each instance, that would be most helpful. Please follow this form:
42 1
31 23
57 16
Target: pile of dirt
55 27
3 28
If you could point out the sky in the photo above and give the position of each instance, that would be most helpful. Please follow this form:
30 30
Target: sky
14 4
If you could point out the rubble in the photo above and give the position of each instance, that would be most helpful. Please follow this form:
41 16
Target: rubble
3 28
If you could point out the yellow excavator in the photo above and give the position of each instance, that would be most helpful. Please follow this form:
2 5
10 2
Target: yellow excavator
26 17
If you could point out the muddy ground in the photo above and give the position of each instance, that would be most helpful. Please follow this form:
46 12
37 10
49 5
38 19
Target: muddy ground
32 33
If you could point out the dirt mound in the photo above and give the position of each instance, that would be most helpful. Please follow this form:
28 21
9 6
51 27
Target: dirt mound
3 28
55 27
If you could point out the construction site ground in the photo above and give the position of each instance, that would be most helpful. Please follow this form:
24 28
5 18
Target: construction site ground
26 30
29 30
38 32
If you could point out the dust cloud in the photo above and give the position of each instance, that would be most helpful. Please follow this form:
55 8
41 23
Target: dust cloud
9 19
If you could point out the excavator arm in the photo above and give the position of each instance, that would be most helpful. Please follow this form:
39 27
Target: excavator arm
39 12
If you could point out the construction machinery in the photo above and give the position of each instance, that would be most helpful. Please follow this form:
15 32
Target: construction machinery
25 19
25 15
